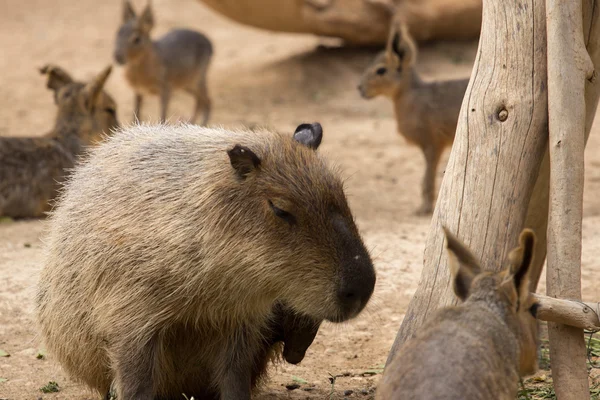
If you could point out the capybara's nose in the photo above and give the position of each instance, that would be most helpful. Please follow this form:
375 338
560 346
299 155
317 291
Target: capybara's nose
356 287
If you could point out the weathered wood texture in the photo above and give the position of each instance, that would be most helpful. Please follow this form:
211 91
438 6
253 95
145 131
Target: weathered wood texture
569 312
500 141
364 22
537 215
569 67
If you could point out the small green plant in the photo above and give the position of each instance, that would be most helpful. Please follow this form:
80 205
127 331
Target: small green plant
4 353
41 355
51 387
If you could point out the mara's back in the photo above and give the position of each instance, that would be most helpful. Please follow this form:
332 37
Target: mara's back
455 357
184 50
30 172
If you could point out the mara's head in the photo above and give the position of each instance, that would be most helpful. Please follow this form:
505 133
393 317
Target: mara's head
506 291
391 69
133 36
84 108
291 210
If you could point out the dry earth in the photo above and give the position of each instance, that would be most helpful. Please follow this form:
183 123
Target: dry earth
257 78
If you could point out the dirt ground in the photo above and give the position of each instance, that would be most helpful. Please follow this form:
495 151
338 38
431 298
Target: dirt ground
261 78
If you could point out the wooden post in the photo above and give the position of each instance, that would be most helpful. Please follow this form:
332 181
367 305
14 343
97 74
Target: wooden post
500 141
569 66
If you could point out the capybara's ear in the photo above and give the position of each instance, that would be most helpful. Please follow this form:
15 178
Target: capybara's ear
463 265
309 135
243 160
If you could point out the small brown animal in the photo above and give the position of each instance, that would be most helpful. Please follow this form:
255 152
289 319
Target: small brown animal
478 349
426 112
178 60
32 168
173 248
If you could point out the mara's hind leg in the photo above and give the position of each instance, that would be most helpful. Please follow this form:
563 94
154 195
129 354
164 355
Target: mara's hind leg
432 159
202 102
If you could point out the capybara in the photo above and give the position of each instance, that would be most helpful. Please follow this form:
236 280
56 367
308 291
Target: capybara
32 168
172 248
426 112
178 60
478 349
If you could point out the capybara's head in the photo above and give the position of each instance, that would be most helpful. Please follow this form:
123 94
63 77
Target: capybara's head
506 290
83 107
133 36
391 69
297 218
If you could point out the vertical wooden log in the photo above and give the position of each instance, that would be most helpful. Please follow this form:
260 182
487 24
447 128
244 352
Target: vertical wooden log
537 215
569 67
500 141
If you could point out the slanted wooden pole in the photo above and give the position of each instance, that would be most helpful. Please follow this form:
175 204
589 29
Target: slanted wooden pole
569 312
500 141
569 67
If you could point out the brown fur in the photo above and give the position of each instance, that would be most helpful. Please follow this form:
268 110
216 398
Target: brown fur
429 20
173 247
31 168
426 112
177 61
478 349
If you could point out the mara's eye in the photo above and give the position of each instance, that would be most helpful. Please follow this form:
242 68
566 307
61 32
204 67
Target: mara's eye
381 71
110 111
533 309
284 215
136 39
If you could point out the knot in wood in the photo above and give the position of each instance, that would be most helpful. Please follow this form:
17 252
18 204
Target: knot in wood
503 114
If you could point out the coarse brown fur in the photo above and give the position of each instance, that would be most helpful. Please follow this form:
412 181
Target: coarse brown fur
31 168
172 248
178 60
478 349
426 112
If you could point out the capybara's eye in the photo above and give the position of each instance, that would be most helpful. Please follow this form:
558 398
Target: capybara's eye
286 216
136 39
533 309
110 111
381 71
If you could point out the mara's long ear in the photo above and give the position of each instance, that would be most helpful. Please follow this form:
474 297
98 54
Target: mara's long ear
91 92
463 265
309 135
128 11
401 47
243 160
146 20
57 77
521 259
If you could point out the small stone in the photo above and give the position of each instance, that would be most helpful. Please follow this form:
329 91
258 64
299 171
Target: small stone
348 392
292 386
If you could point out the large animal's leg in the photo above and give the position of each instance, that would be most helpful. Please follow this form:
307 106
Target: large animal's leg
432 158
137 107
134 365
236 378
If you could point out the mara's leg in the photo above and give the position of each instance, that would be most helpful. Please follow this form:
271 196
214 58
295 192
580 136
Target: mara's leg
165 97
202 102
137 107
432 159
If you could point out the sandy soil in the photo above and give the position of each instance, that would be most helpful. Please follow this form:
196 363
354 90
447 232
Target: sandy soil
257 78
